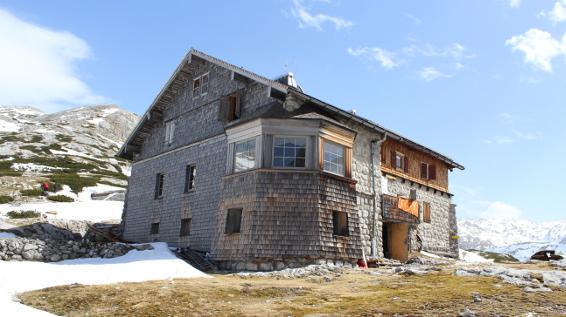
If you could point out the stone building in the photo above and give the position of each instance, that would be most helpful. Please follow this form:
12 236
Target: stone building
260 175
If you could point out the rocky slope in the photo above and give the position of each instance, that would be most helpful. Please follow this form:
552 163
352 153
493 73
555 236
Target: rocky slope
74 147
520 238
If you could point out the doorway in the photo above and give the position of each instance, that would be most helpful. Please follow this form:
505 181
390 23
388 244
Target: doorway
396 241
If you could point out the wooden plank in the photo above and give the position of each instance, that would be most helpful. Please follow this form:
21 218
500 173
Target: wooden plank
397 173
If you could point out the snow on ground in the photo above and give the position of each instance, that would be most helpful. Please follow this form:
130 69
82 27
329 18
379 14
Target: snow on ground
94 210
7 235
136 266
33 167
44 131
471 257
6 126
82 209
72 153
96 121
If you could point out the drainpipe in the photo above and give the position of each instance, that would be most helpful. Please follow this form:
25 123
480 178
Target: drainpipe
375 144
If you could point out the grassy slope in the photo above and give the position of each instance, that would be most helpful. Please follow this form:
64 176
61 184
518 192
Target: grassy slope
350 294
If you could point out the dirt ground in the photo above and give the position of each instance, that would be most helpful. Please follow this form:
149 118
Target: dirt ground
351 293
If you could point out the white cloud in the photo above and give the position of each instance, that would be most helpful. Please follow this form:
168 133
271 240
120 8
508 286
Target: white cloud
431 73
513 134
316 20
454 54
539 47
38 66
558 12
385 58
501 210
515 4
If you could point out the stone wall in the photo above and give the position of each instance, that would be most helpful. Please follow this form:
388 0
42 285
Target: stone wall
434 236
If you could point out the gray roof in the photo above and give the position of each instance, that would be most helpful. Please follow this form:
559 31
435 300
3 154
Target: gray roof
169 88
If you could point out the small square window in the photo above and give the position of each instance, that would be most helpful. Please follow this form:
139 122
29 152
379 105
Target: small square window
399 161
190 178
159 182
233 220
428 171
154 228
340 223
185 227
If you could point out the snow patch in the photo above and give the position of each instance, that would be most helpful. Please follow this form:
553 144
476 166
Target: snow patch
472 257
95 210
31 167
7 235
135 266
6 126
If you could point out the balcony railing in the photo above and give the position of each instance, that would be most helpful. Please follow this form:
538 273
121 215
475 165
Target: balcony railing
397 209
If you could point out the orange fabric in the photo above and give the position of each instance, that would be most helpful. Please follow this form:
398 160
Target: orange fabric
410 206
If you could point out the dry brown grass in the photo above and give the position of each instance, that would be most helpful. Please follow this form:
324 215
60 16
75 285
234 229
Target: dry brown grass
352 294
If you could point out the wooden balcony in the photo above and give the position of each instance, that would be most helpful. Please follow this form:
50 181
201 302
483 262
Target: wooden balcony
397 209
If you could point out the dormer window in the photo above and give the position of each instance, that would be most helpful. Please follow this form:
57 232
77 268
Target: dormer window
200 86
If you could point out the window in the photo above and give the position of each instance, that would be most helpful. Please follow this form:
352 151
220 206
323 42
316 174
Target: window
334 158
426 212
233 107
185 227
204 84
154 228
169 131
428 171
200 86
289 152
399 161
340 223
190 178
160 179
244 155
233 220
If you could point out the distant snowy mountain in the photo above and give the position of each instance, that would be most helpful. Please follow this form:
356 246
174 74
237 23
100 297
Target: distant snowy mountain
78 145
520 238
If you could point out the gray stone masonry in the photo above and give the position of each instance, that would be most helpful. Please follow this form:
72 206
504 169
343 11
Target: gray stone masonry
436 235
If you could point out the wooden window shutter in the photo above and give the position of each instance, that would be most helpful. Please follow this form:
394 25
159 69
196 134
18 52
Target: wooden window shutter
393 159
424 170
406 167
238 109
223 109
432 172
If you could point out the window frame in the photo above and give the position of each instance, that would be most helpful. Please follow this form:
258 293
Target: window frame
344 157
190 178
399 156
427 212
159 185
306 147
231 229
336 218
430 176
186 225
169 132
200 81
234 156
154 228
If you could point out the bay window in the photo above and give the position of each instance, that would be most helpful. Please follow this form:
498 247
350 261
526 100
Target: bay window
289 152
244 155
334 158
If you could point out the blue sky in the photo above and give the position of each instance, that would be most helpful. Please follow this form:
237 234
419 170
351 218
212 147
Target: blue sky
481 81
